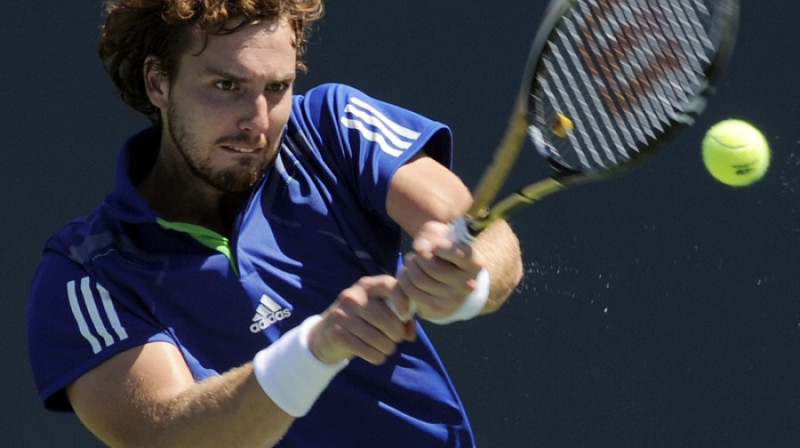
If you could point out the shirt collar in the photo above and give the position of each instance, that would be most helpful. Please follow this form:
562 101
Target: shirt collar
136 158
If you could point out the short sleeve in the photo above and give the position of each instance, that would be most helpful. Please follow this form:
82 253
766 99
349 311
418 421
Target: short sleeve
74 324
367 139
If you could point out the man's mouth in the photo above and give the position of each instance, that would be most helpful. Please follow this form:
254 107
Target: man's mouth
242 149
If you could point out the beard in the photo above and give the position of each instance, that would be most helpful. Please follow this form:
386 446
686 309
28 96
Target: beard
237 179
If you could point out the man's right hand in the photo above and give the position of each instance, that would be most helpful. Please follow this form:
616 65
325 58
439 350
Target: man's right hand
361 323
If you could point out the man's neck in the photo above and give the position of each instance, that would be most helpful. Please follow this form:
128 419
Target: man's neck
179 196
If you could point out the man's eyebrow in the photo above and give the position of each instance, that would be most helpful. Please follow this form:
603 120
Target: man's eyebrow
222 73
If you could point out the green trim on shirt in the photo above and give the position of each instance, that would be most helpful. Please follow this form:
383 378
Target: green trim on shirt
207 237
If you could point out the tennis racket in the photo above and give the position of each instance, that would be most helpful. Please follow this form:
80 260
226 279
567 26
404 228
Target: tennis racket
607 83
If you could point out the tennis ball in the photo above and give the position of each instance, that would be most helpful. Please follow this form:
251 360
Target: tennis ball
736 153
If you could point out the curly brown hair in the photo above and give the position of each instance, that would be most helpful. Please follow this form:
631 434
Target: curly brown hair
137 29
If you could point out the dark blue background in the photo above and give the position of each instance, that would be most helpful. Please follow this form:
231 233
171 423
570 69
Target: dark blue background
659 309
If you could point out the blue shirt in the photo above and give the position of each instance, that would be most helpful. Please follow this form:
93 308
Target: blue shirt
123 276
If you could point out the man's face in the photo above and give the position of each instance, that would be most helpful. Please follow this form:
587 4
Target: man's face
227 106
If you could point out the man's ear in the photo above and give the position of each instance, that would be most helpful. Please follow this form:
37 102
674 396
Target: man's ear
155 82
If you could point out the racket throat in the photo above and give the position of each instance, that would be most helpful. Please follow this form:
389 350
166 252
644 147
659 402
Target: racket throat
524 196
467 228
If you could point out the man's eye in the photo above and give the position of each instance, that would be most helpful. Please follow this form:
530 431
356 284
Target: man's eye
225 85
278 87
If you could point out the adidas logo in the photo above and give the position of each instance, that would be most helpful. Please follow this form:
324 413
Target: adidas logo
267 313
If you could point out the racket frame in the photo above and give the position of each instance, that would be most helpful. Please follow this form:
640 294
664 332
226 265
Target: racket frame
480 215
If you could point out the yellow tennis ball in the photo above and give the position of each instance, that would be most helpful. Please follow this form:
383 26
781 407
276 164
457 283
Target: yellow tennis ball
736 153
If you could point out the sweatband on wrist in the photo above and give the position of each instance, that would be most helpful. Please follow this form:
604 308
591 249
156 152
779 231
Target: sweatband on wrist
289 373
473 304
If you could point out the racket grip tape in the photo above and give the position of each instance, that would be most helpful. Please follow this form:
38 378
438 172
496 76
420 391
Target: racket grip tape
460 231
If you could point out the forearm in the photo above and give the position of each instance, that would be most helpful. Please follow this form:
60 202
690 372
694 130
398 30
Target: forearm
499 247
227 410
146 397
230 410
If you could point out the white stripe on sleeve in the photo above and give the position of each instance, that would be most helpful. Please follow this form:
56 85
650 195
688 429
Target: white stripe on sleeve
94 329
82 325
113 318
391 137
94 314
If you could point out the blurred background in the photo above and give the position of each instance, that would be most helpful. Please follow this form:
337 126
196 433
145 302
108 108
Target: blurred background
661 308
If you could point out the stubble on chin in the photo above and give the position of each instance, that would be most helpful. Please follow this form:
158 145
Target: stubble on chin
237 179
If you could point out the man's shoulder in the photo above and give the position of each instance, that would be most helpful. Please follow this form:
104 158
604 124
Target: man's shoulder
77 231
326 94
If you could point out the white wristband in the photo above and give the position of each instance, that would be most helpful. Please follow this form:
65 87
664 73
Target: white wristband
473 304
291 376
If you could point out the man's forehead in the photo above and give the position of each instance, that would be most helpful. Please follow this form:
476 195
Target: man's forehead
248 49
235 33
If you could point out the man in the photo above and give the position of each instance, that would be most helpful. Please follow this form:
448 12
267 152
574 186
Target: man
237 288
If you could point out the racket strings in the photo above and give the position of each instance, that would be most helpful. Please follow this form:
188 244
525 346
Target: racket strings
620 72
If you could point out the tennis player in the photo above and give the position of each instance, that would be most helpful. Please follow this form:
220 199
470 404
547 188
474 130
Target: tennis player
242 284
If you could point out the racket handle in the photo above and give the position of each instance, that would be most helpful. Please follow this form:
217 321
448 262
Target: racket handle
459 231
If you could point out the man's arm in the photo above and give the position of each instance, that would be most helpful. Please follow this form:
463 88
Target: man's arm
146 396
423 196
